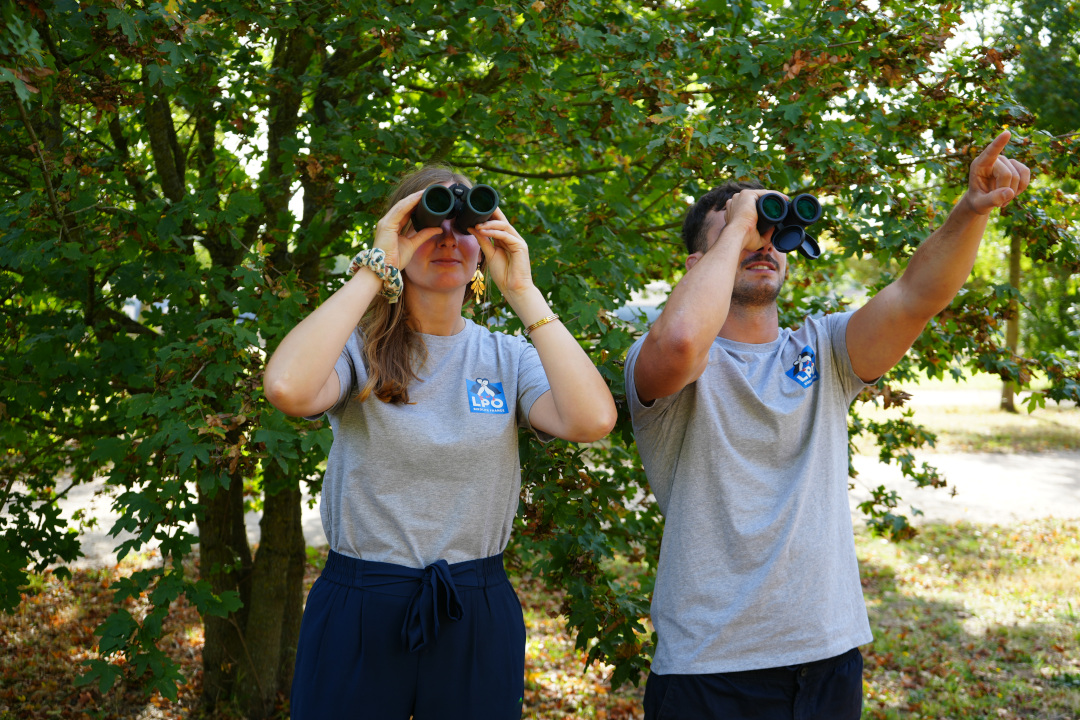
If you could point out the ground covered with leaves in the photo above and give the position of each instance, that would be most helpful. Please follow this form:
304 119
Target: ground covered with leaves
970 622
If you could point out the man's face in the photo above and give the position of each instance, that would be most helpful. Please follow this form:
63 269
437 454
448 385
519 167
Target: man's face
761 272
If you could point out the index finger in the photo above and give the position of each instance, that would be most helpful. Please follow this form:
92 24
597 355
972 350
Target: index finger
402 208
990 155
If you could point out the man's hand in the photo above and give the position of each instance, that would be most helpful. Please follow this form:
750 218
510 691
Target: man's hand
994 180
741 212
881 331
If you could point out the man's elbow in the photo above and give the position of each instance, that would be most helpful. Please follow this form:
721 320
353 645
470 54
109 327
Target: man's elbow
681 347
669 365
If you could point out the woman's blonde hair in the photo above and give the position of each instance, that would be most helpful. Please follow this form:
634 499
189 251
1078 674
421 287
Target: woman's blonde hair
391 346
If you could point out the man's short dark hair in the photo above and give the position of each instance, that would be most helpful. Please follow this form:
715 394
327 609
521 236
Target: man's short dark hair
693 228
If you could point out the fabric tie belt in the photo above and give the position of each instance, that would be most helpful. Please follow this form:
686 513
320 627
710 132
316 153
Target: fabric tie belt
436 592
432 591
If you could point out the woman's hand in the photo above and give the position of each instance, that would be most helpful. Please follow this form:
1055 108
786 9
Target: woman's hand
507 255
391 236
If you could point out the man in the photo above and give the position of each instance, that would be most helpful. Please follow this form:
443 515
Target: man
742 429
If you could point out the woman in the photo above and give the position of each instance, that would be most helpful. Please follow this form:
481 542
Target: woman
413 614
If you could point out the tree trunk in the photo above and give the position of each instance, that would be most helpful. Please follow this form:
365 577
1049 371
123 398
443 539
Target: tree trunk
294 601
1012 326
276 593
224 562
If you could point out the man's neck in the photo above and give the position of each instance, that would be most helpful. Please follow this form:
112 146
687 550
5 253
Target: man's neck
756 324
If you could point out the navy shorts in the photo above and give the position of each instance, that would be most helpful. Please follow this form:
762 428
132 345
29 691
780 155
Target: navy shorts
823 690
388 642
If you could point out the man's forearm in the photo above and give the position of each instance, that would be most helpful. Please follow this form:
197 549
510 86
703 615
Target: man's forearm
698 306
942 264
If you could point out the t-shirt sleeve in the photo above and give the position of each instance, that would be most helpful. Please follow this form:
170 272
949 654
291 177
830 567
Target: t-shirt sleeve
349 378
642 415
532 382
836 326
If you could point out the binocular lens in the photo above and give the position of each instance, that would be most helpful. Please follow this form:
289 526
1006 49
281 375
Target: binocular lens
807 208
483 199
772 206
438 199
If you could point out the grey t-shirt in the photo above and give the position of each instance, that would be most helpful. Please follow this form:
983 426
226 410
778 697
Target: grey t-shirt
439 478
749 466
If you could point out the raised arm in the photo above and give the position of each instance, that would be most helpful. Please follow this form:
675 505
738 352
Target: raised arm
300 378
676 350
579 406
881 331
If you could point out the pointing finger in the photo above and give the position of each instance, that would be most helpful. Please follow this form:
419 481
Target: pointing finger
990 155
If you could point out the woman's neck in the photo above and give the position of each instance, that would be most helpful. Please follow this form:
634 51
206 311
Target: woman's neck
435 313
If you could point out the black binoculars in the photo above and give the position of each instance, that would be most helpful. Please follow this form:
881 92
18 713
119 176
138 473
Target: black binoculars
466 206
790 218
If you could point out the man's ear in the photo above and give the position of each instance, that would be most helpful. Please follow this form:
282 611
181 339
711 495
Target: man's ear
691 260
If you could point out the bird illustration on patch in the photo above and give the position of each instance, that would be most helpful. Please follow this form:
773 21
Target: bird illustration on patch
486 397
804 369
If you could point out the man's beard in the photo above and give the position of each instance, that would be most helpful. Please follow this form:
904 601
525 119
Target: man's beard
756 294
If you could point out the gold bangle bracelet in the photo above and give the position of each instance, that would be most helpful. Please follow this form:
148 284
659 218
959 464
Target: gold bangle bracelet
541 321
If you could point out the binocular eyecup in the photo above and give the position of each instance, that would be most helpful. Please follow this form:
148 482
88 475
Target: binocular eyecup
466 206
790 219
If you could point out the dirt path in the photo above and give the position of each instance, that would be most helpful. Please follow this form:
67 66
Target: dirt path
989 487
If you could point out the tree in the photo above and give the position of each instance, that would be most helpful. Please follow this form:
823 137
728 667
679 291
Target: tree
1045 39
219 161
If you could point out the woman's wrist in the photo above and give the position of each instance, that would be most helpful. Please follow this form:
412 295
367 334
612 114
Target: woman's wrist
529 305
365 276
375 259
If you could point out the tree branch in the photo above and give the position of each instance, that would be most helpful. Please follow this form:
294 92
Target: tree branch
486 84
44 167
542 175
661 228
159 127
292 56
648 176
124 322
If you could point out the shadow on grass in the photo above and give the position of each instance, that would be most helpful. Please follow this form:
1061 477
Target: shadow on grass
953 638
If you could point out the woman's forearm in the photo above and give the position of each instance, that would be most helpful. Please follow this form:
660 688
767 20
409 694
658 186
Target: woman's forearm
583 409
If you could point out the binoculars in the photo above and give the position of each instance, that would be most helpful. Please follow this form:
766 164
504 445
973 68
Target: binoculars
466 206
790 218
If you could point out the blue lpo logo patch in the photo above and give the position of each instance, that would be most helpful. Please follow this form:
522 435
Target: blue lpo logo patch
804 369
486 397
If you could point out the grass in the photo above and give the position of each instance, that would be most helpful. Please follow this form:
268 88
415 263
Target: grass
974 622
966 417
969 622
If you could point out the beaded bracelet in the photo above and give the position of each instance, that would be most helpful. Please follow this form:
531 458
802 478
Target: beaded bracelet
541 321
375 259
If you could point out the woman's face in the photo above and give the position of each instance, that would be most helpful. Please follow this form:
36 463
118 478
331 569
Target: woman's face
446 262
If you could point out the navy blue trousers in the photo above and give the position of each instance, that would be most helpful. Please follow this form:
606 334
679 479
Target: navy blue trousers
824 690
388 642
